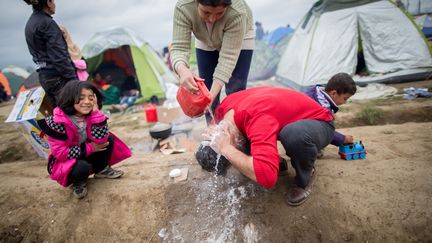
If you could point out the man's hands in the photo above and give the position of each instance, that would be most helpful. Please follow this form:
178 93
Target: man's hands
219 137
97 147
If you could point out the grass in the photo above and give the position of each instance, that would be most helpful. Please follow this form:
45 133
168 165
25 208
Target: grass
370 115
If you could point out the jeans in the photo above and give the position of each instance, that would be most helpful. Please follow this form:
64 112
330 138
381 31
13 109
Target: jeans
302 140
207 62
96 162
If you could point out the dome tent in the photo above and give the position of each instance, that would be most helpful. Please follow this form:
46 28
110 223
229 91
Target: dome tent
337 35
15 77
125 54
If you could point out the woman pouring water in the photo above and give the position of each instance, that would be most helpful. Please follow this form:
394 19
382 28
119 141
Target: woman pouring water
224 44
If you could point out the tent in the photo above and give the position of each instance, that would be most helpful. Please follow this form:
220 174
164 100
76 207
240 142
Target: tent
31 81
4 81
121 53
277 35
15 77
266 58
425 23
416 7
339 35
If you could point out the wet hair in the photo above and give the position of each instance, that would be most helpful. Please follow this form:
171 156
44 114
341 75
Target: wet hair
215 3
70 95
37 4
207 158
342 83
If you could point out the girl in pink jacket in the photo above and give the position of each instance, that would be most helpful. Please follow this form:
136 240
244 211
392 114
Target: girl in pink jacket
80 141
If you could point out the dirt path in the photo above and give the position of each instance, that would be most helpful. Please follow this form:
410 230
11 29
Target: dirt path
384 198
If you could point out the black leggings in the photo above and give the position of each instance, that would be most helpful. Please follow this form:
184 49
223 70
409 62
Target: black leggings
96 162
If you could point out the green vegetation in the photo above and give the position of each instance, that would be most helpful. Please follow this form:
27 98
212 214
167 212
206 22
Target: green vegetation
370 115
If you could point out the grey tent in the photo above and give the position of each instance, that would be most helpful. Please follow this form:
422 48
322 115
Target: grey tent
338 35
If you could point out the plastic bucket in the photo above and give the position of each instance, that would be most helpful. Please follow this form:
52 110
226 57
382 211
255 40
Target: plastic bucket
150 113
194 104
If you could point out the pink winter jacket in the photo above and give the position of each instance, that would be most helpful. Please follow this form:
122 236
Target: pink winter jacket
63 139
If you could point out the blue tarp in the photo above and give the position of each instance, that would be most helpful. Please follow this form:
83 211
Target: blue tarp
276 35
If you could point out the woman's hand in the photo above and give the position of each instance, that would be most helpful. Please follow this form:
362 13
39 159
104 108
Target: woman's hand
187 78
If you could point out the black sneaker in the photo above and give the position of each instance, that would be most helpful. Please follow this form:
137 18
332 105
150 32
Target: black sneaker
80 190
109 173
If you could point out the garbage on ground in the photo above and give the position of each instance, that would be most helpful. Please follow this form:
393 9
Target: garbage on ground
174 173
24 115
183 175
168 146
412 93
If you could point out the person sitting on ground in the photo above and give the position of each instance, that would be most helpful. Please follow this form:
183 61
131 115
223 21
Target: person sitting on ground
110 92
126 101
337 91
98 81
79 139
264 115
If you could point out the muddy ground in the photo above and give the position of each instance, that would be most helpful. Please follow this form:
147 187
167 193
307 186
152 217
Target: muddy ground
383 198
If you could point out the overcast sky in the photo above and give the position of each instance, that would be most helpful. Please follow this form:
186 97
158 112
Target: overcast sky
151 19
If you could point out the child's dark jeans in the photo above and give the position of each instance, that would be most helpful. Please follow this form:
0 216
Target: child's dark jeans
96 162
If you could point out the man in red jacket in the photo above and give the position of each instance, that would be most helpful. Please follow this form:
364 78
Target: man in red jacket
262 116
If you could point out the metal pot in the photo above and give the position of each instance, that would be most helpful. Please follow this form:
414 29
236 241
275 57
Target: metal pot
160 130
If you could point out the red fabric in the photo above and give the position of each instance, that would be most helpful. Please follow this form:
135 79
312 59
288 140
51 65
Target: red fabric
260 113
60 148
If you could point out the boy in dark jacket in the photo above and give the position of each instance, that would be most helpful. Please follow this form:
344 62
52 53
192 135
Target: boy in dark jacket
337 91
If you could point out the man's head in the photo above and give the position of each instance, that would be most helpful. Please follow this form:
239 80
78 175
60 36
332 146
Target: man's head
208 159
340 88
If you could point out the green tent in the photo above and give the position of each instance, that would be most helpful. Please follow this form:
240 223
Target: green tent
122 54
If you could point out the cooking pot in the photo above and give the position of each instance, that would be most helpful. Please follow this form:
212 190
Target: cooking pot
160 130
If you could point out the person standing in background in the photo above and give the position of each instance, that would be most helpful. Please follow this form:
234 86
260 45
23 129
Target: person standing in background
224 44
48 48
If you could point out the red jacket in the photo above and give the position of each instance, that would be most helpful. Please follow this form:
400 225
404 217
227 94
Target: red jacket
63 139
260 113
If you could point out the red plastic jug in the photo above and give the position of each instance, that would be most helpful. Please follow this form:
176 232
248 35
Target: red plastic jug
194 104
150 113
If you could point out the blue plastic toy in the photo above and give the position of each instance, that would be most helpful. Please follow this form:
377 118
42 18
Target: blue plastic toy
352 151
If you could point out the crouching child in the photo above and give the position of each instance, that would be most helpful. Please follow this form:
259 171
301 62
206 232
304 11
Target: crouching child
80 141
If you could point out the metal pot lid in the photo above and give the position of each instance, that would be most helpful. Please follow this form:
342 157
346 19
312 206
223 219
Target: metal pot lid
159 127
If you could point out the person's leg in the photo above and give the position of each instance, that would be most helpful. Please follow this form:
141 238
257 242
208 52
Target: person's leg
207 62
80 171
238 80
78 177
302 140
52 85
99 161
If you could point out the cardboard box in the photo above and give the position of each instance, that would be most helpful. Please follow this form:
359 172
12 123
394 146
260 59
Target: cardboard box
23 116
